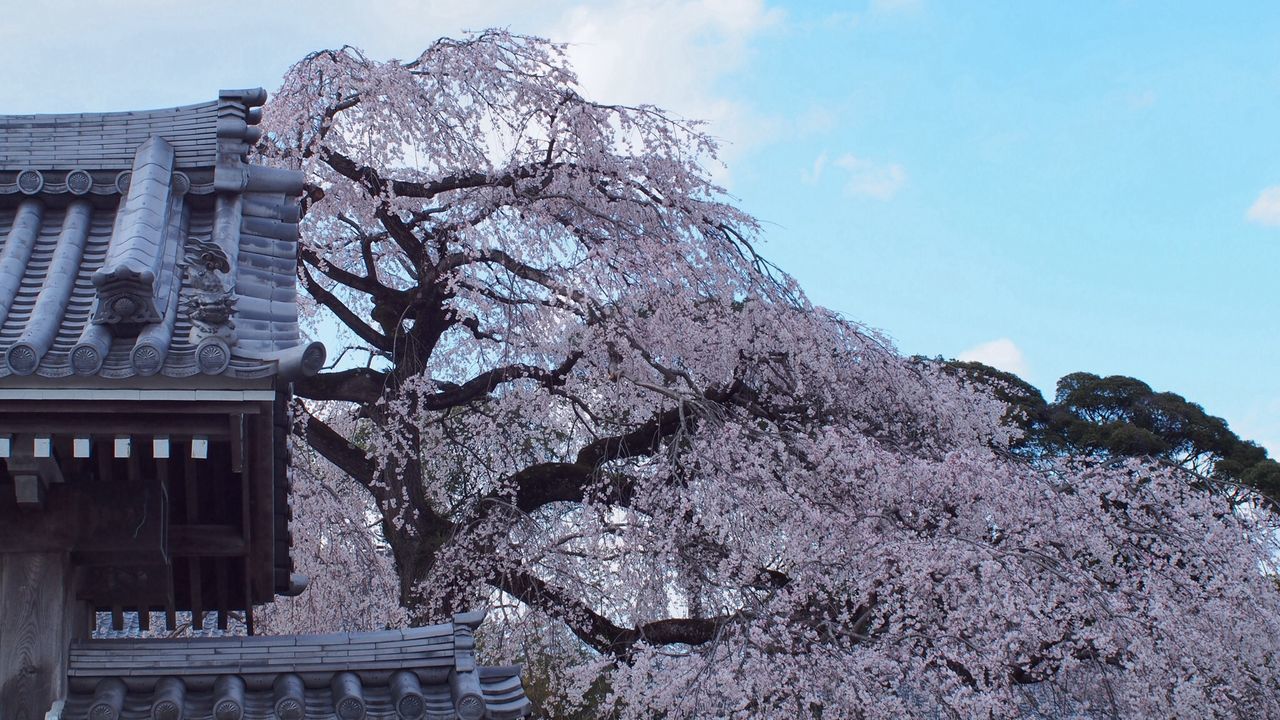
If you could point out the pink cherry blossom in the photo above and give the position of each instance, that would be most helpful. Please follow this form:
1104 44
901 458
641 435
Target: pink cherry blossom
573 390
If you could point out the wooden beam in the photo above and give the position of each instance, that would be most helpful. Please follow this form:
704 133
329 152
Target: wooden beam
82 424
220 568
53 530
29 491
247 587
162 479
192 488
235 429
131 407
39 616
194 540
34 469
262 501
103 452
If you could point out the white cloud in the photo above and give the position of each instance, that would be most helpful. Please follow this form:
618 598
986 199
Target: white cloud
869 178
1141 99
815 120
893 6
1001 354
814 176
670 54
1261 424
1266 209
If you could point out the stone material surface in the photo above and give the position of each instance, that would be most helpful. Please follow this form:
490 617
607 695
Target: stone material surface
144 243
107 141
417 673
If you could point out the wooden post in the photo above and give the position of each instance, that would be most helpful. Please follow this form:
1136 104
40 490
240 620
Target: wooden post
39 616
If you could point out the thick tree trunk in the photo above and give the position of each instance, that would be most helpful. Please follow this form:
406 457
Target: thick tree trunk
39 616
415 555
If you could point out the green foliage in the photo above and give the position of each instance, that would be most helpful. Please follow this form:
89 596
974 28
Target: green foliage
1027 407
1118 416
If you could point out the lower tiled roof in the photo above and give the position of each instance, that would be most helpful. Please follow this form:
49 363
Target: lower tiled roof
417 673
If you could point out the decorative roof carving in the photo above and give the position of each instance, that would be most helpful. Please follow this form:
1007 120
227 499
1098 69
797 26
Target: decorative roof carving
184 252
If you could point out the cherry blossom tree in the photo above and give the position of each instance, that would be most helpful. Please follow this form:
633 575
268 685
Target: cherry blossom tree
570 385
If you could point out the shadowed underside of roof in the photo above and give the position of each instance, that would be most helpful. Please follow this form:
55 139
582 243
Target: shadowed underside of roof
138 244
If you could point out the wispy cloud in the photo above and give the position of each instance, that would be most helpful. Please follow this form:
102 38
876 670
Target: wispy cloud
1141 99
1266 209
1002 354
871 178
1261 424
895 6
671 54
815 120
813 176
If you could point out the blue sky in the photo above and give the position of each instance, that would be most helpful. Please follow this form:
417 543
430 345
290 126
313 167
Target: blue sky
1050 187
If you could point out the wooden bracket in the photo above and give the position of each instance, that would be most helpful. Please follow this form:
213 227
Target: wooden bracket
33 467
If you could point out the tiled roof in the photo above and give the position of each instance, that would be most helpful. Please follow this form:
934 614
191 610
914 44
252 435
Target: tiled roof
418 673
107 141
144 243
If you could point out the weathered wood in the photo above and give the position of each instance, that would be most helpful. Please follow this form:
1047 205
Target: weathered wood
123 516
206 541
33 469
29 491
220 571
262 498
213 426
193 516
114 408
236 431
246 590
114 512
50 530
38 619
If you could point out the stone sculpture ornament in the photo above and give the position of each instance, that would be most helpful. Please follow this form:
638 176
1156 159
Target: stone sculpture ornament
210 302
109 312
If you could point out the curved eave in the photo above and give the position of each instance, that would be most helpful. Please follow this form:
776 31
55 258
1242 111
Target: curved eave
97 141
303 360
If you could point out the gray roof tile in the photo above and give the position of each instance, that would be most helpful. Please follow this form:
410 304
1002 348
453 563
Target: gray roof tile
415 673
150 273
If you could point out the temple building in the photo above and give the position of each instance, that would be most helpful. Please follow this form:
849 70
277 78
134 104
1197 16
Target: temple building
148 340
